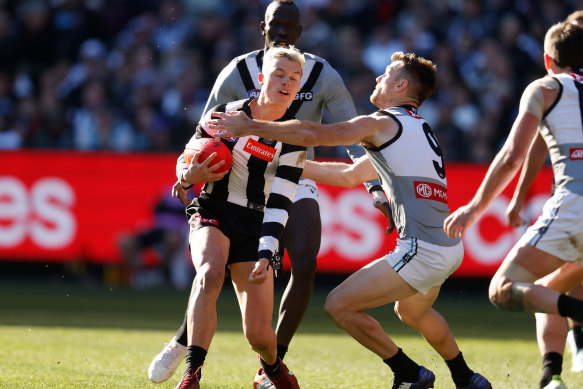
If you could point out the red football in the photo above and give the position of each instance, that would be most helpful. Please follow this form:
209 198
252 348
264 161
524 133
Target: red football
207 146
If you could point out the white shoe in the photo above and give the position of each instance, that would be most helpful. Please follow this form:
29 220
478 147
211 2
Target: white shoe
165 364
576 354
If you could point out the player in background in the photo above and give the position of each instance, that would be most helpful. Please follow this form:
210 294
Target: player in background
321 89
402 150
237 221
551 331
552 107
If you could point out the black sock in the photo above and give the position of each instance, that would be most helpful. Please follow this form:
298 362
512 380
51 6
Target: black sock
271 370
405 368
552 365
195 356
578 335
182 333
460 372
281 351
570 307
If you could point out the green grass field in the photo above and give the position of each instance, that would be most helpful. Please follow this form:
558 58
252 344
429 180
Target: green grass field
64 335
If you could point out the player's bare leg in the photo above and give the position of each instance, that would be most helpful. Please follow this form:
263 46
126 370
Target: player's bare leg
209 252
416 312
551 330
302 242
512 286
256 303
372 286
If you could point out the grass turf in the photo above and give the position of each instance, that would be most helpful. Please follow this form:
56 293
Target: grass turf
67 335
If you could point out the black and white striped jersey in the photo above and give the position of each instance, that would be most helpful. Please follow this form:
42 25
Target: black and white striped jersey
264 176
321 89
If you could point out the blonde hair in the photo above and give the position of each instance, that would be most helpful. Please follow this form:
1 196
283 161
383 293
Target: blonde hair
291 53
575 17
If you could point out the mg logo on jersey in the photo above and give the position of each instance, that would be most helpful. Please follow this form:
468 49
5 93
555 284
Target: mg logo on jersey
430 191
259 150
424 190
254 93
304 96
576 154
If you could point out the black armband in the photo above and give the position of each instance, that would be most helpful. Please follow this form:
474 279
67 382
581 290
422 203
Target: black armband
266 254
275 260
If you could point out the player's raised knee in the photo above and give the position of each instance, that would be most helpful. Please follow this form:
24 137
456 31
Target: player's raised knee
333 306
405 316
507 294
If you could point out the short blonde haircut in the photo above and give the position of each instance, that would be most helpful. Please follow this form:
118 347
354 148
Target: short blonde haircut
291 53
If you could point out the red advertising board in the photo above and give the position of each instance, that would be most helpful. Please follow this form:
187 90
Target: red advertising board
68 206
72 206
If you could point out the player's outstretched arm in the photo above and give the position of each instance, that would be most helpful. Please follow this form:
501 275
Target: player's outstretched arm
340 174
533 163
501 171
297 132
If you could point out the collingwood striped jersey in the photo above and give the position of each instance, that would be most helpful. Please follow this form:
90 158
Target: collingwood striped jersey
321 88
562 130
412 174
264 176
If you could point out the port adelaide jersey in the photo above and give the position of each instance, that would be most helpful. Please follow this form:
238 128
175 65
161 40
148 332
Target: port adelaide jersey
264 175
412 174
562 130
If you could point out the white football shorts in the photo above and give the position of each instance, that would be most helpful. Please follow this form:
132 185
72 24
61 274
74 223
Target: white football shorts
306 189
559 229
424 265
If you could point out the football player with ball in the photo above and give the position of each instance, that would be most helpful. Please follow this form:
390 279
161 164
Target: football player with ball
237 221
322 89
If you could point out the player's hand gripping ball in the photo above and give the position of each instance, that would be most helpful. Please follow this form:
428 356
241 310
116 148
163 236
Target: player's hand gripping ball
207 146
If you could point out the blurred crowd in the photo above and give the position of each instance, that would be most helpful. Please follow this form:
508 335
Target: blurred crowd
134 75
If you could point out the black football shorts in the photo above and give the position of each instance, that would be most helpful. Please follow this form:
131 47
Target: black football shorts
241 225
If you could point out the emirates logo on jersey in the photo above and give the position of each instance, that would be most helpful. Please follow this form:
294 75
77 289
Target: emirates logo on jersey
576 154
259 150
430 191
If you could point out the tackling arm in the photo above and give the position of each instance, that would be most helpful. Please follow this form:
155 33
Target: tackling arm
297 132
340 174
